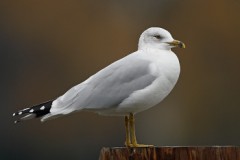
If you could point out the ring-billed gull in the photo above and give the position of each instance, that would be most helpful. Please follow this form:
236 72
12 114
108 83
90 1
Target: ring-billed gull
128 86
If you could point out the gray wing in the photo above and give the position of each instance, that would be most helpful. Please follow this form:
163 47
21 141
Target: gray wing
109 87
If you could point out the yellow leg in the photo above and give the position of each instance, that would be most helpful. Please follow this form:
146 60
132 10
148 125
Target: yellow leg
128 139
133 134
132 129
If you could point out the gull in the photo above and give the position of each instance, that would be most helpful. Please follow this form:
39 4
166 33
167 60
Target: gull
128 86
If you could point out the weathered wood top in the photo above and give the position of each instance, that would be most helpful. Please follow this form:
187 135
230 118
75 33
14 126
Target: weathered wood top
171 153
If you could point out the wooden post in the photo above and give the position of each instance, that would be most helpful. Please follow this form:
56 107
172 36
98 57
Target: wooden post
171 153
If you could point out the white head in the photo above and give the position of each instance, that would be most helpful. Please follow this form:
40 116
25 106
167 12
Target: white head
158 38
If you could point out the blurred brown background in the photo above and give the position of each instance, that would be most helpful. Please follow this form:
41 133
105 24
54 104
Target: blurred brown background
46 47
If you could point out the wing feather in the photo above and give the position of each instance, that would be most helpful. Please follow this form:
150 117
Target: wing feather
107 88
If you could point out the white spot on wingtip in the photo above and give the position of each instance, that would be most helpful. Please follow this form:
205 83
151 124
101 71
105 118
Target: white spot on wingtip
16 122
19 113
25 109
42 108
14 114
31 111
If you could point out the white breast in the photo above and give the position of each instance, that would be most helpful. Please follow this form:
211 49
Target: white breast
165 66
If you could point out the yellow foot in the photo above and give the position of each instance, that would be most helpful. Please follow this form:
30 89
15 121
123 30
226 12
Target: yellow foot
138 145
142 145
128 144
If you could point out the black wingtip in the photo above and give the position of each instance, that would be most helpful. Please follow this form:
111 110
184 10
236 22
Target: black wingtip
33 112
21 112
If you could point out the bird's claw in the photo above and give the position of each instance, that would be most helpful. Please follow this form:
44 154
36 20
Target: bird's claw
131 145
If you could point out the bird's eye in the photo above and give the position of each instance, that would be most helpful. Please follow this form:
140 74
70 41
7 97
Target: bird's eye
157 36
